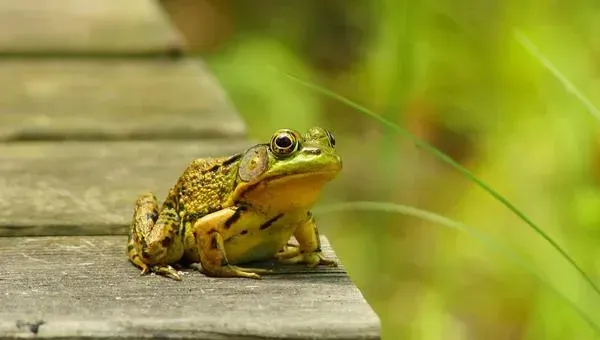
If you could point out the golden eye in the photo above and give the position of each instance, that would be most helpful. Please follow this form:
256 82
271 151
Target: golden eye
284 143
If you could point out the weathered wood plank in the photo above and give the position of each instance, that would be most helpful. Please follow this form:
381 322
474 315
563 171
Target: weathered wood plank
75 188
85 26
83 287
114 99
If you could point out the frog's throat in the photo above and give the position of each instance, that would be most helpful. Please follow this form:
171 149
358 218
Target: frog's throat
284 192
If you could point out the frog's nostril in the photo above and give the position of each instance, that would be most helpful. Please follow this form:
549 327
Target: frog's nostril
313 151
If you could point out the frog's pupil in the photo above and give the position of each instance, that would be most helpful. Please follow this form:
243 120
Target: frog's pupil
283 142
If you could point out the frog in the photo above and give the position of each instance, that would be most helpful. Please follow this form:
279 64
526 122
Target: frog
224 213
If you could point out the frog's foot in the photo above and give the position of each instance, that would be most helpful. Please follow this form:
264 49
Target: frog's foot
149 231
166 271
311 259
232 271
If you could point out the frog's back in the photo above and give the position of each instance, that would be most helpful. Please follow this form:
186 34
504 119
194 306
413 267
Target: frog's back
206 184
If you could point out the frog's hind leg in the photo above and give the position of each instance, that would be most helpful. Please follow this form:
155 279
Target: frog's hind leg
213 259
150 235
144 216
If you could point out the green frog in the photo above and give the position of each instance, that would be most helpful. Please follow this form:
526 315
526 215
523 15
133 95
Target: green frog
229 211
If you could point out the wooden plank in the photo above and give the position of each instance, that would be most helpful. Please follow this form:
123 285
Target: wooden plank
83 287
113 99
75 188
85 26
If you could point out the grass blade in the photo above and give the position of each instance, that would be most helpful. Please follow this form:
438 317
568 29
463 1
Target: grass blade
569 87
442 156
449 223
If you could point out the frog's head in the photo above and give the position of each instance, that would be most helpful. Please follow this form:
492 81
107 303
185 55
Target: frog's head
289 171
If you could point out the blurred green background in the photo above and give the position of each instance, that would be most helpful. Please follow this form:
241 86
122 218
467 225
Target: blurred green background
452 73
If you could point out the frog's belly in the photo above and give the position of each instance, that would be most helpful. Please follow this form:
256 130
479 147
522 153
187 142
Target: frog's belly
257 245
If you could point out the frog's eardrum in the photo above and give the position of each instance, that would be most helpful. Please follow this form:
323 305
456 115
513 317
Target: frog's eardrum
254 163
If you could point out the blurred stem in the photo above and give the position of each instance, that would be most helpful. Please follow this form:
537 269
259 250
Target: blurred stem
400 29
402 49
569 86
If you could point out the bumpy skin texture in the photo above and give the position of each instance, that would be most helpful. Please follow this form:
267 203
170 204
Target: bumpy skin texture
238 209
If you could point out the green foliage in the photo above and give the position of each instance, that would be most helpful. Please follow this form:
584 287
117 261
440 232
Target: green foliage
482 80
263 95
490 243
445 158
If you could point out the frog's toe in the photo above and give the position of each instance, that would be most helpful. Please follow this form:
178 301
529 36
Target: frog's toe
169 272
232 271
326 262
251 272
166 271
291 260
254 270
248 275
287 252
310 259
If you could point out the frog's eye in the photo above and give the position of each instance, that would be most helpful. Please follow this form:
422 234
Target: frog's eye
331 138
284 143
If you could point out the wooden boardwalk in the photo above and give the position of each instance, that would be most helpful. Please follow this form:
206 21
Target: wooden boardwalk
96 107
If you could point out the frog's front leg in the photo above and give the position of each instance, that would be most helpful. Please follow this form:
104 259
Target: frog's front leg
309 249
153 241
211 248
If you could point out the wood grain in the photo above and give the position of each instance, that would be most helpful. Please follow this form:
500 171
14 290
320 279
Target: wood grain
85 26
113 99
84 287
76 188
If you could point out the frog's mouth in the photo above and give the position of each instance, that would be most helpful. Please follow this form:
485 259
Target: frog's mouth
287 190
326 174
320 177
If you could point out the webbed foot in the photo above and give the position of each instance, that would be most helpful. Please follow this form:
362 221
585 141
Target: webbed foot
291 254
166 271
